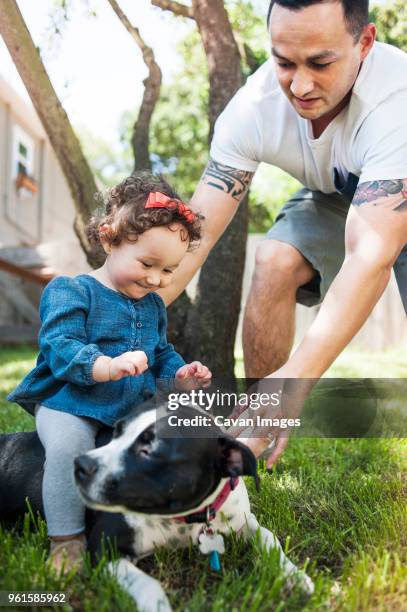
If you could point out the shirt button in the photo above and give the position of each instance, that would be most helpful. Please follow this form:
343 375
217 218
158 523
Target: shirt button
139 324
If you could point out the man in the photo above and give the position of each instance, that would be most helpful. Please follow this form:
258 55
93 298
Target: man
329 108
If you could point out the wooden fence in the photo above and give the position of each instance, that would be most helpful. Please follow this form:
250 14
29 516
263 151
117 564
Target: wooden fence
385 328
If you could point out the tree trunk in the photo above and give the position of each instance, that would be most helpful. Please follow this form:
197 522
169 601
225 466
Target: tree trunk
53 117
211 322
141 130
222 54
152 85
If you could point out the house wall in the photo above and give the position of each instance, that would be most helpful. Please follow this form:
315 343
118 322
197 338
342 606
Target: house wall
42 221
44 218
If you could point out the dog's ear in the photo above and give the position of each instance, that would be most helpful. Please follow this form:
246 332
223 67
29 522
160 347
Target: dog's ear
236 459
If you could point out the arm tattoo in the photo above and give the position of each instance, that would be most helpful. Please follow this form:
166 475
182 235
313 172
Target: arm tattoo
377 192
227 179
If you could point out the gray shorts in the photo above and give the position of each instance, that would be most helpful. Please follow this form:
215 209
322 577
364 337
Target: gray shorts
314 223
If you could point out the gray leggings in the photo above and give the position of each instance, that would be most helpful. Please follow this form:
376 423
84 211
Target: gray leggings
64 436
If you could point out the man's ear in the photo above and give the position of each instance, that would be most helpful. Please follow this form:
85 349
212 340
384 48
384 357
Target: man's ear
236 459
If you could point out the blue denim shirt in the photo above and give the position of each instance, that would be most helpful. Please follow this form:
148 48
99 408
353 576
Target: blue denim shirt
83 319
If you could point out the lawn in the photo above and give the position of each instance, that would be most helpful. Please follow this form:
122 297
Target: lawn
338 507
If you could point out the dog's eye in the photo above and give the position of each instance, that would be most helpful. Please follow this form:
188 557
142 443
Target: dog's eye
143 445
118 429
147 436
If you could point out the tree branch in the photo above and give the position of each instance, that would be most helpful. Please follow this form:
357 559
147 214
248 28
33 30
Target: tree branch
133 31
152 85
175 7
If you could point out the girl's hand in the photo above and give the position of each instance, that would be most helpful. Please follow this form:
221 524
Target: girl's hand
132 363
193 375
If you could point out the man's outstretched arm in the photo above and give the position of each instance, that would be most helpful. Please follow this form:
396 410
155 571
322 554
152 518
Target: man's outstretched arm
217 196
376 232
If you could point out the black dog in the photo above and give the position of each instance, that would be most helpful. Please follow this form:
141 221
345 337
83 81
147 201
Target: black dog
148 488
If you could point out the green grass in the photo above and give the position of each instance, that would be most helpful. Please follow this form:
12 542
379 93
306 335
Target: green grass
338 507
359 364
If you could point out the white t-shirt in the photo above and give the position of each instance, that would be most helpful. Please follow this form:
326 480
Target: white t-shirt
367 140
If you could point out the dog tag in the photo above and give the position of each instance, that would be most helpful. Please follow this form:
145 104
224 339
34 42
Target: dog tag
214 561
211 542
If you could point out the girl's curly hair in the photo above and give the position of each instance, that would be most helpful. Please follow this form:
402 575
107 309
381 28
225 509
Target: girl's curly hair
125 214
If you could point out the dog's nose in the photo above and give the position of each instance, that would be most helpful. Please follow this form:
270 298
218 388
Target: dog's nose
85 467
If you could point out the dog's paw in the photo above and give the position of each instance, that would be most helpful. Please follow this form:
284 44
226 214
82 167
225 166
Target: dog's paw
301 580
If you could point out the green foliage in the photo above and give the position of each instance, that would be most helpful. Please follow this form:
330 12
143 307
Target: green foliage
249 27
179 130
391 22
270 191
179 127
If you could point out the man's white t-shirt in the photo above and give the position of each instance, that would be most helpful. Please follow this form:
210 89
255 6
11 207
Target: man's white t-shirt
367 140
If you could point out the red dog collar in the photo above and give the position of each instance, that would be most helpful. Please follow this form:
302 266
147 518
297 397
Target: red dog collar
208 513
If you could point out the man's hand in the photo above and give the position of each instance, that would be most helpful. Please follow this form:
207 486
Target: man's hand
132 363
259 445
193 375
272 418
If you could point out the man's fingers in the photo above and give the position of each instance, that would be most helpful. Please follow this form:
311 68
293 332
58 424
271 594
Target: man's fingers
278 450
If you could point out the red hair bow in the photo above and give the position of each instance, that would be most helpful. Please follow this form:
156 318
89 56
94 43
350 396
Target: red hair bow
156 199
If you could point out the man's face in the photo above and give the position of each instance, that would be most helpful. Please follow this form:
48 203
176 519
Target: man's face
316 56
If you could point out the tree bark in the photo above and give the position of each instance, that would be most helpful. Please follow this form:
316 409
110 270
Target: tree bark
209 324
66 146
222 54
175 7
152 85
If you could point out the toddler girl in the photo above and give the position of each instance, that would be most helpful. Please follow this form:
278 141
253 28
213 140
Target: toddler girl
103 343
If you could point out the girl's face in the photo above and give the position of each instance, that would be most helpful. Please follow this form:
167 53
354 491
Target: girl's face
137 268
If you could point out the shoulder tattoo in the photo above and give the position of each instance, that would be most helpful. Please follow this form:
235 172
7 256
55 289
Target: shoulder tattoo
230 180
389 194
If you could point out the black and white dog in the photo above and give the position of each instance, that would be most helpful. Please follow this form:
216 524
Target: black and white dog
149 488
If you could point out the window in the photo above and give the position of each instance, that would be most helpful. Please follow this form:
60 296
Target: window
23 153
23 163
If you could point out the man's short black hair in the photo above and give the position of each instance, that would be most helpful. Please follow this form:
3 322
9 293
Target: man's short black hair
356 11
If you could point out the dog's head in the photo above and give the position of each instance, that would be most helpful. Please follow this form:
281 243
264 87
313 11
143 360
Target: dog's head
147 470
